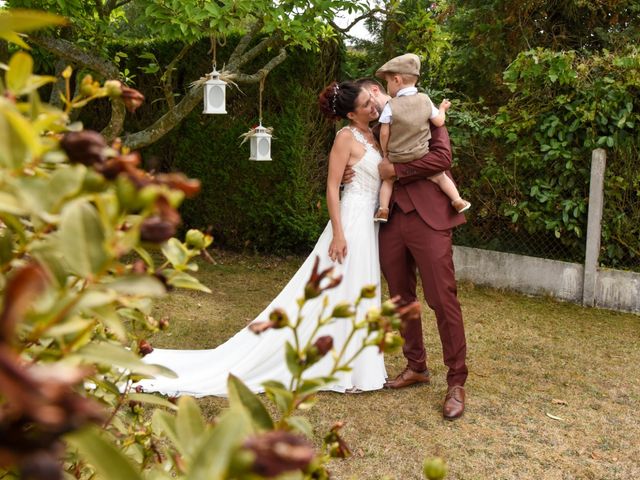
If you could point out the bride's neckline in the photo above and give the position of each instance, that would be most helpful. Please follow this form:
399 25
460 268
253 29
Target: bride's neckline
363 132
370 142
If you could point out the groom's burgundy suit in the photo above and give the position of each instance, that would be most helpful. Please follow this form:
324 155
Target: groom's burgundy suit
418 234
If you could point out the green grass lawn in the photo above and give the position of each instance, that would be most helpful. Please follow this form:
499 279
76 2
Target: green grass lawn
528 357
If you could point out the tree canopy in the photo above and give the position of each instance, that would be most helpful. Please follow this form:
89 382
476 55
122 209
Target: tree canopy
262 31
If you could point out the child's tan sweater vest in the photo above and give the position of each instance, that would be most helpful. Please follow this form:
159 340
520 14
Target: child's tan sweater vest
409 130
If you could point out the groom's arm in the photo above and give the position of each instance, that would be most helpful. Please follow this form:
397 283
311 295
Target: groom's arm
437 160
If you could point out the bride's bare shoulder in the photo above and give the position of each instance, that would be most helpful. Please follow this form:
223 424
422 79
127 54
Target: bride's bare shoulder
344 138
344 132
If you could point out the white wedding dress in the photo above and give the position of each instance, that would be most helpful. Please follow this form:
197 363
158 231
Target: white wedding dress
256 358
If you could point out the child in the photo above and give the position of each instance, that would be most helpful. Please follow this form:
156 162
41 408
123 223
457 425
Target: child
404 127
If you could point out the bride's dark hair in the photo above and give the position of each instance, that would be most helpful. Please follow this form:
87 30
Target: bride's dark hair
338 99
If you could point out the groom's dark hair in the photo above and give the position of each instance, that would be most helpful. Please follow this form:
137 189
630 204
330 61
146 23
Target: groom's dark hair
367 82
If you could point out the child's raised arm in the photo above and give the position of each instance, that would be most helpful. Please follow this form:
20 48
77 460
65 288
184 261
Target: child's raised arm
439 119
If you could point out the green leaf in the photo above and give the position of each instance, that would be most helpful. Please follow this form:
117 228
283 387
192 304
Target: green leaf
74 325
95 298
17 20
108 315
279 395
184 280
116 355
293 359
20 69
107 386
312 385
175 252
13 37
82 239
212 459
239 394
152 399
24 131
6 246
142 285
10 204
300 424
148 259
34 82
103 455
165 423
189 424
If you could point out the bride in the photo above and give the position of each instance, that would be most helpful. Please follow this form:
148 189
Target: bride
349 242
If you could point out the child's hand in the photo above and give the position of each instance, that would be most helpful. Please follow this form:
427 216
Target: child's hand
445 104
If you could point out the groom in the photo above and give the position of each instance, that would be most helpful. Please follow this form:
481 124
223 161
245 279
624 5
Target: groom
418 235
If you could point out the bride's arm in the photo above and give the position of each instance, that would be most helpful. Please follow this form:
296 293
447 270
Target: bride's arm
338 159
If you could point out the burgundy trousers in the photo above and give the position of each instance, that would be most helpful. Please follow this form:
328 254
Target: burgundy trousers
407 243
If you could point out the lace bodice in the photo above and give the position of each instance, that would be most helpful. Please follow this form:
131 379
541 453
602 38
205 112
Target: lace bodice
366 181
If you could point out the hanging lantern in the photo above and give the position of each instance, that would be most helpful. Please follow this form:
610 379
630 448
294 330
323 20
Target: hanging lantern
214 94
260 142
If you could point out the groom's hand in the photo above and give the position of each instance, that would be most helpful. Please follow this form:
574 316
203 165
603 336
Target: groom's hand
348 174
387 172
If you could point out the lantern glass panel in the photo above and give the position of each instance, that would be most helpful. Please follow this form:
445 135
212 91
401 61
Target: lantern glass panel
216 97
263 147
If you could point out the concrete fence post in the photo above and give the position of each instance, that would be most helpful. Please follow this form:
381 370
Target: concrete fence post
596 195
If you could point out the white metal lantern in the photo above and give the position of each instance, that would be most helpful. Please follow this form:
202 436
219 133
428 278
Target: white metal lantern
260 144
214 94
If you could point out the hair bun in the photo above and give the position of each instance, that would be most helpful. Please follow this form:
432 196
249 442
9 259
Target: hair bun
337 100
327 101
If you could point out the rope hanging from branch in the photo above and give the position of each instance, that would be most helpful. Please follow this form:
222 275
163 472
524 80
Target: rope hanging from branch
214 43
264 76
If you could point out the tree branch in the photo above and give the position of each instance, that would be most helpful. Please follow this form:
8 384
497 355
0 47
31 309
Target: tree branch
256 77
100 8
165 123
121 3
254 52
68 51
58 87
116 123
357 20
166 76
245 41
193 97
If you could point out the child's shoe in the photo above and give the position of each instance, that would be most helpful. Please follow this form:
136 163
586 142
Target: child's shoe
382 215
461 205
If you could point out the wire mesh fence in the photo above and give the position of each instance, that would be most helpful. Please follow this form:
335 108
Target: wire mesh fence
503 236
620 239
620 245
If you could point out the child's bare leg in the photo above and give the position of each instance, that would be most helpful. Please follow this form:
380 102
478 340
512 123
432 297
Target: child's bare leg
450 190
382 215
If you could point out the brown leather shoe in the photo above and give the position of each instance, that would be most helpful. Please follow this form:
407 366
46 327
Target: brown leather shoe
408 377
454 403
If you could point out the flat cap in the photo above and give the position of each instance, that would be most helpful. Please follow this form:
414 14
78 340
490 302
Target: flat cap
408 63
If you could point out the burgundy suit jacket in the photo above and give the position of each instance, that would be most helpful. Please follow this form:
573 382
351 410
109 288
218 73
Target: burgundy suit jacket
433 206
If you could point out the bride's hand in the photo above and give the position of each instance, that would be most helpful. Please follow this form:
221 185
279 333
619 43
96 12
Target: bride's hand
338 249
